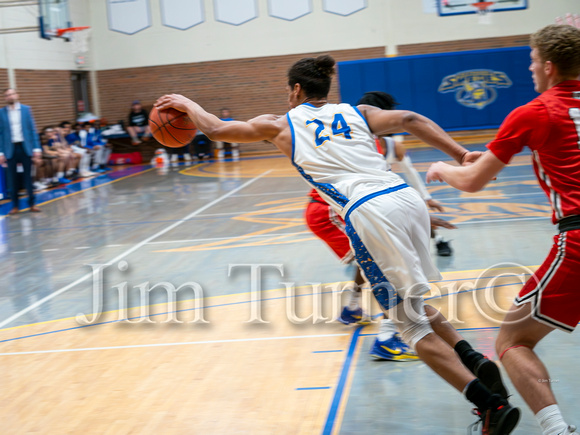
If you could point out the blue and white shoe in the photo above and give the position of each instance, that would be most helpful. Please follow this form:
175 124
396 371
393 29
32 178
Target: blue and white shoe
353 316
393 349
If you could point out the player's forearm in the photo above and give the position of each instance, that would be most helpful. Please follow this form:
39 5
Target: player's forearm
225 131
430 133
413 177
462 178
204 121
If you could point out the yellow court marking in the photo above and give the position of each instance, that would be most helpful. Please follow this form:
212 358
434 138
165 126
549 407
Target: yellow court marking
268 215
68 195
515 161
244 168
282 167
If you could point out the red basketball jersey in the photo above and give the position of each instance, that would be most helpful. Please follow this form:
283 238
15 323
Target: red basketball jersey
550 127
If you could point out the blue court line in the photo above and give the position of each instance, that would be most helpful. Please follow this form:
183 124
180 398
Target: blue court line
330 419
312 388
326 351
75 187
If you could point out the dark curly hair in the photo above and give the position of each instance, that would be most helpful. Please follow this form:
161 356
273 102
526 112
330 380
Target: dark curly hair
379 99
313 74
559 44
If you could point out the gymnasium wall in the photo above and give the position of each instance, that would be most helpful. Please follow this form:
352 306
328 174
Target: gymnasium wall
464 45
386 23
49 93
248 87
3 78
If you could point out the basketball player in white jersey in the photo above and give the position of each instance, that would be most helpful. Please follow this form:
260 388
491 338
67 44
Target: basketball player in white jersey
332 147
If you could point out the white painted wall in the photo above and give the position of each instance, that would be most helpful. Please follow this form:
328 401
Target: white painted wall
383 23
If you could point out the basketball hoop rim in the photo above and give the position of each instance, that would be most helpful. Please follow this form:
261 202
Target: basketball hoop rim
60 32
482 6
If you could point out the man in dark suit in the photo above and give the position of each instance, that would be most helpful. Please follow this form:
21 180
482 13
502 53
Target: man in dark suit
19 143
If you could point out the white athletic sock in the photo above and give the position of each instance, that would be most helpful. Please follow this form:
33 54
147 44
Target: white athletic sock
438 238
386 330
60 174
551 420
354 301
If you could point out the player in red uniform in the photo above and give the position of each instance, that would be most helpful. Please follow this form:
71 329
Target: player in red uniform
550 127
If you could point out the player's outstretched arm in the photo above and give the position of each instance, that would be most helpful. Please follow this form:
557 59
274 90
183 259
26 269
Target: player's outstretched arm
384 122
471 178
260 128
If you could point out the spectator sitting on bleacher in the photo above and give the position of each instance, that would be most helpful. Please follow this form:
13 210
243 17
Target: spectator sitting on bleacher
52 162
56 142
63 130
138 123
99 145
77 139
39 171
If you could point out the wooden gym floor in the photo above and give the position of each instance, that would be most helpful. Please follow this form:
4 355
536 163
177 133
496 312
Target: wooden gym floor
240 352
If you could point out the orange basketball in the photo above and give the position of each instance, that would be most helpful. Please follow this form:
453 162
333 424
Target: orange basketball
171 127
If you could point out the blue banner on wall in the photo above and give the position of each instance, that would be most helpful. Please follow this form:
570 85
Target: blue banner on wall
459 91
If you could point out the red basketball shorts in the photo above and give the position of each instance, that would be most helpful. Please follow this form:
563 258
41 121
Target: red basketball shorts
554 290
329 226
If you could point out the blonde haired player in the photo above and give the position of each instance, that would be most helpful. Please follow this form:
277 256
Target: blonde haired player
550 126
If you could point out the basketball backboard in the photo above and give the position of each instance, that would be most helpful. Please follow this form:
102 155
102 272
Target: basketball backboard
459 7
54 15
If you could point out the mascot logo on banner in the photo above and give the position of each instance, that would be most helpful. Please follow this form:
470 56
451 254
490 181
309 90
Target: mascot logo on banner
475 88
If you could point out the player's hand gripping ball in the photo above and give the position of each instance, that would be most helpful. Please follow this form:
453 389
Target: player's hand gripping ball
171 127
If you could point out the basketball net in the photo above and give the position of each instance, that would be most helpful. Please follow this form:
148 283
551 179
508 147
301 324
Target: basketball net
79 39
80 45
483 12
